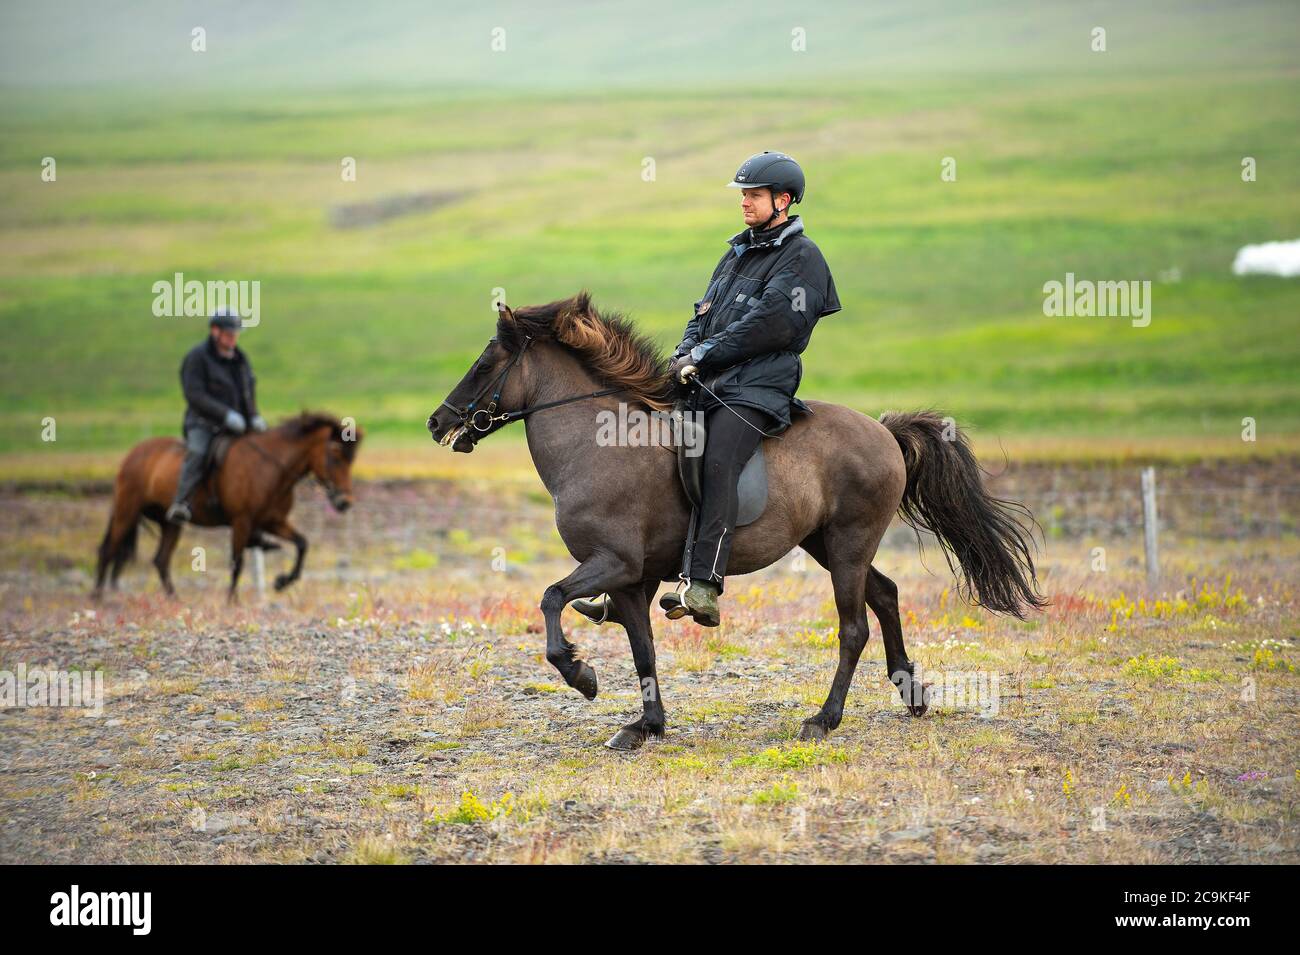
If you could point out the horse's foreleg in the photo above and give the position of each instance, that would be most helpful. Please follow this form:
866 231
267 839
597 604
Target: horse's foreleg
604 572
287 531
240 532
633 612
167 538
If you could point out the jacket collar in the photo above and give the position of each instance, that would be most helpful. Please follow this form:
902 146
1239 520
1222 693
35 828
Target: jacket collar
749 239
212 350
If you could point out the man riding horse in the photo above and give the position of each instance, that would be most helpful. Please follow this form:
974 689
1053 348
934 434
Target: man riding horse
219 390
743 344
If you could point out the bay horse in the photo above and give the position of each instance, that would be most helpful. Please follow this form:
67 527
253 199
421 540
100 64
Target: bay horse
252 493
835 480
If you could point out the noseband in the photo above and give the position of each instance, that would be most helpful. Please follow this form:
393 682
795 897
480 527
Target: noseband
469 415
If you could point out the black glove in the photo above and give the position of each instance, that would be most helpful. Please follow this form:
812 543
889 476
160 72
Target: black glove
675 367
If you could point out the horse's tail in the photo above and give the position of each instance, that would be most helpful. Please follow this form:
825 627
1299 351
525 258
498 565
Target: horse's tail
945 495
118 545
124 549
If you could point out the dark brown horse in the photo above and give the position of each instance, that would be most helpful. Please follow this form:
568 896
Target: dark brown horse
836 479
252 493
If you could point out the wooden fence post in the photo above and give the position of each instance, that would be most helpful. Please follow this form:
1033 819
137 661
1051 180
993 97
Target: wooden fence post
1150 525
259 571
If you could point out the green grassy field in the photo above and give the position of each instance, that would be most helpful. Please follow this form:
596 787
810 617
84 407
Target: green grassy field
1103 168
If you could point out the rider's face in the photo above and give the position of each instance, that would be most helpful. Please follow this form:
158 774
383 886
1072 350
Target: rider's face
756 205
225 339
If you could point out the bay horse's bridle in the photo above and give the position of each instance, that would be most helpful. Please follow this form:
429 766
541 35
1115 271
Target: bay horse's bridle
469 416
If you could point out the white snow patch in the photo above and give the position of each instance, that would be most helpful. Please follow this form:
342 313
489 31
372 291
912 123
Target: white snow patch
1268 258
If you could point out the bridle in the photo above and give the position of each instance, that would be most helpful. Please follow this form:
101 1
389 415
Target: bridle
332 492
477 427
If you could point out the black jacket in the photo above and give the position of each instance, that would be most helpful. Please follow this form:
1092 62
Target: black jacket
214 385
756 316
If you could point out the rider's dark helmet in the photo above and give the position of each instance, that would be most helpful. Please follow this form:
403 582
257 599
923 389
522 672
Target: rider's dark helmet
775 170
226 318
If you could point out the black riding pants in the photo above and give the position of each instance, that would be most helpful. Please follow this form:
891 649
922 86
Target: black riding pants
728 445
197 441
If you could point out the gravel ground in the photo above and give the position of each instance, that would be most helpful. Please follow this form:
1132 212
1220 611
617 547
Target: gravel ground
396 706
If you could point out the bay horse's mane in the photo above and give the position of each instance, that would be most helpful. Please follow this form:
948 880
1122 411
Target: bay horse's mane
305 422
605 342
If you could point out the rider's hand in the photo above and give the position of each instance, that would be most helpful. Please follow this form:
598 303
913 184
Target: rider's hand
675 368
258 423
235 422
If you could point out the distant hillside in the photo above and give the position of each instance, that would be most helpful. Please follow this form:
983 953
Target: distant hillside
623 43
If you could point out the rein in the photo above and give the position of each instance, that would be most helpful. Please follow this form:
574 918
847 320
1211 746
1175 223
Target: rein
284 470
267 454
469 415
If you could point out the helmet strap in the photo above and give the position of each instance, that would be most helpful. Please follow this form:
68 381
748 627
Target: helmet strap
775 214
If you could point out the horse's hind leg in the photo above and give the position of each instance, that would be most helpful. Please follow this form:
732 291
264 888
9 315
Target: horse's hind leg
848 557
170 534
882 598
632 607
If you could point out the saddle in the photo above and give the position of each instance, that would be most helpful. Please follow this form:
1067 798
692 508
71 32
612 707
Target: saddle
751 486
205 495
218 448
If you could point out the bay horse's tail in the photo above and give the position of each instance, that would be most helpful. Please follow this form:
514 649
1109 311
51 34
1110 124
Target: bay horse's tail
945 495
118 546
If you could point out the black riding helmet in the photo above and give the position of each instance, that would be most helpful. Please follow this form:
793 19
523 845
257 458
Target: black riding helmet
777 171
226 318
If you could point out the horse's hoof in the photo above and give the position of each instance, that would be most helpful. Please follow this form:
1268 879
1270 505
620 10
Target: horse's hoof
282 581
584 681
812 731
919 709
628 739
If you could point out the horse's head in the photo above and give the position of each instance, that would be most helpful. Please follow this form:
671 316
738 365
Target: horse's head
331 460
492 384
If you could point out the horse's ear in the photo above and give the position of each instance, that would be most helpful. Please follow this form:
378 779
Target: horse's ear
504 313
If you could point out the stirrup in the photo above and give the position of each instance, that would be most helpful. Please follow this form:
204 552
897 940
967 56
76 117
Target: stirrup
673 603
590 615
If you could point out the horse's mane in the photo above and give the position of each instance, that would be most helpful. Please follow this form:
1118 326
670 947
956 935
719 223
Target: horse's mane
304 423
605 342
